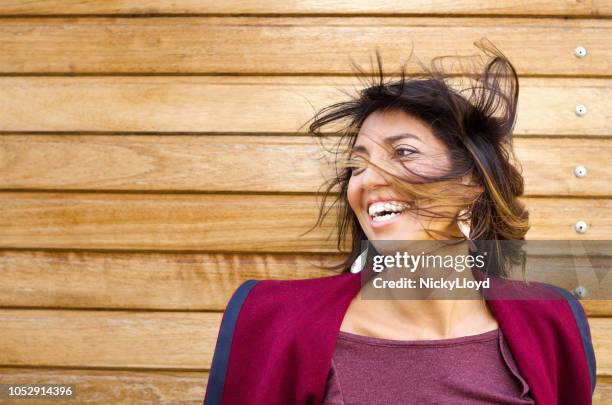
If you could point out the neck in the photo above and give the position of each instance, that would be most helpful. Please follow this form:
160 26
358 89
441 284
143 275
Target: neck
422 313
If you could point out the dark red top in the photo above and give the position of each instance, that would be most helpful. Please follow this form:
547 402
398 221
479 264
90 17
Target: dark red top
476 369
277 338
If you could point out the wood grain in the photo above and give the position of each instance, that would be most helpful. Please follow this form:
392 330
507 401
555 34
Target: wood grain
395 7
115 386
598 307
228 163
109 339
171 281
603 391
253 105
284 45
217 222
162 222
601 332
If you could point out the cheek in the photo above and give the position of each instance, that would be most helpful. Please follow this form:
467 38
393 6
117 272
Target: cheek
353 194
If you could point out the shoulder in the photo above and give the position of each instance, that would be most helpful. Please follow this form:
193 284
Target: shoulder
554 295
546 303
581 320
269 310
270 315
554 312
286 321
278 296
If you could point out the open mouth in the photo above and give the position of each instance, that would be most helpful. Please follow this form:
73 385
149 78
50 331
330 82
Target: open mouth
382 212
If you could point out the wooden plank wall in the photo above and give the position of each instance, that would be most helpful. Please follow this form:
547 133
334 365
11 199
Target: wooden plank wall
152 157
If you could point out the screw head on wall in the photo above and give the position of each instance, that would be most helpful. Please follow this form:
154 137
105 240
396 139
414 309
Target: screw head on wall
580 171
579 292
581 227
580 52
581 110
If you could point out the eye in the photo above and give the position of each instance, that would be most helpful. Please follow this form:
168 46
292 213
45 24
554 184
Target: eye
356 165
403 152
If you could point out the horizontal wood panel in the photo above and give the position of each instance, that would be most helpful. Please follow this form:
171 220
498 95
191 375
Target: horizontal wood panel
142 280
228 163
603 391
114 386
147 339
488 7
273 45
192 281
597 307
174 222
549 165
601 334
594 273
117 339
255 223
104 387
252 104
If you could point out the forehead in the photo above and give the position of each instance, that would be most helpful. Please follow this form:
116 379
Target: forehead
380 125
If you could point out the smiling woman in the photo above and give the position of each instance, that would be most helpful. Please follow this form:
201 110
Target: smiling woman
436 144
420 154
419 159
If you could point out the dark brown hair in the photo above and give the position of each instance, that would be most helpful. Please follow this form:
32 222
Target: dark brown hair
475 122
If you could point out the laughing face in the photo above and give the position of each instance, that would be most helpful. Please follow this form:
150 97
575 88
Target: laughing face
395 140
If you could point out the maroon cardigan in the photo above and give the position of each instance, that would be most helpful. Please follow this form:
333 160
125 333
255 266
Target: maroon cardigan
277 339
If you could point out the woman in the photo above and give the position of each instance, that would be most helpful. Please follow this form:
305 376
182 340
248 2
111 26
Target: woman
418 161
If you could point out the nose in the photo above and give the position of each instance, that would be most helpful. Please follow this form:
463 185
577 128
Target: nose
371 178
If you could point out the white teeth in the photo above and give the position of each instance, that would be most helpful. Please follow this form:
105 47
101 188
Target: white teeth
385 217
390 206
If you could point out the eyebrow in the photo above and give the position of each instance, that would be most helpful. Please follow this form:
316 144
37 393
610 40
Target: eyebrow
388 140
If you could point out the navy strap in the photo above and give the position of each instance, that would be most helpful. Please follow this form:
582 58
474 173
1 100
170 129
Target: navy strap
585 333
218 369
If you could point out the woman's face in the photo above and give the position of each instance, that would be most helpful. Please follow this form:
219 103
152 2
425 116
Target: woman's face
411 143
